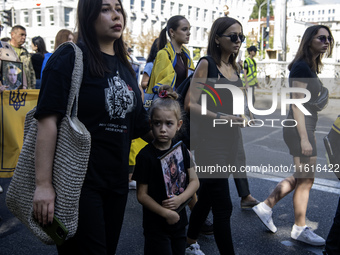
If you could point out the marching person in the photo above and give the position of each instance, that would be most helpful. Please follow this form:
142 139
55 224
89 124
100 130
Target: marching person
109 97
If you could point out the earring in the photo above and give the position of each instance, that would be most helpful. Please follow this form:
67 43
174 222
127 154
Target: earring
217 45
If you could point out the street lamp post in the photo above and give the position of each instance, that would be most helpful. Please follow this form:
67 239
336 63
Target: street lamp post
259 27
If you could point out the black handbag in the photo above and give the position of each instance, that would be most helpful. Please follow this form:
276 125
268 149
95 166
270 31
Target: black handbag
321 102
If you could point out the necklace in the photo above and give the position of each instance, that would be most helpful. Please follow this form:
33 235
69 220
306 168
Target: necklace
226 63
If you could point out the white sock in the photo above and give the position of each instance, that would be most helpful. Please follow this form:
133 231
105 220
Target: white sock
266 207
298 228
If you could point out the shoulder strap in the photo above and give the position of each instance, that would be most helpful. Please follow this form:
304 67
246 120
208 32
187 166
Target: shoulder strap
77 78
212 68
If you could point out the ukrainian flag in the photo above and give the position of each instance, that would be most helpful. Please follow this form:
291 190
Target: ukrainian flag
14 106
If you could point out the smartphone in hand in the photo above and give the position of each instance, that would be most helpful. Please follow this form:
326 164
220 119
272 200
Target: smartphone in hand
57 231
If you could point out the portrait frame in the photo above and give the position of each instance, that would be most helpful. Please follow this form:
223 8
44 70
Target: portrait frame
5 66
177 153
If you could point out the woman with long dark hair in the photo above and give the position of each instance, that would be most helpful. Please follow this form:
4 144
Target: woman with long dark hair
149 64
109 97
215 146
316 42
173 60
38 45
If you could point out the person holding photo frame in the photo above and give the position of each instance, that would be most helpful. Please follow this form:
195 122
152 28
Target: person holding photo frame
11 74
8 53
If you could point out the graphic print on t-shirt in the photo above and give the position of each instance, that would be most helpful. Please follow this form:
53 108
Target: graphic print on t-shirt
120 98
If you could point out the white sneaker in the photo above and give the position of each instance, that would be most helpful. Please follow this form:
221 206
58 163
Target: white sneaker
194 249
265 216
307 236
132 185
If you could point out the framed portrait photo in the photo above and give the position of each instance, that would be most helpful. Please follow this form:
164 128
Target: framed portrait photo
173 171
12 74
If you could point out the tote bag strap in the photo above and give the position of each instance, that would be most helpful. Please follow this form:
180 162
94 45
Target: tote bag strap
76 80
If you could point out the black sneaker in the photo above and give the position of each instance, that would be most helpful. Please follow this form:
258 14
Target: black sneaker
207 228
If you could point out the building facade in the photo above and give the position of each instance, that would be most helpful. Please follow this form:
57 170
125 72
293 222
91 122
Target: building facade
47 17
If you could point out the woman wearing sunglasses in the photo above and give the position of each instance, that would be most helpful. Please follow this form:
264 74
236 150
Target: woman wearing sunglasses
218 145
316 42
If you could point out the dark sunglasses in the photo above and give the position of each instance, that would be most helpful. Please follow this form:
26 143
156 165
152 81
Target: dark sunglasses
323 38
234 37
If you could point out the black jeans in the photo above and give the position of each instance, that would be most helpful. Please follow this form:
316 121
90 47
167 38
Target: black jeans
101 215
240 178
214 193
165 242
333 239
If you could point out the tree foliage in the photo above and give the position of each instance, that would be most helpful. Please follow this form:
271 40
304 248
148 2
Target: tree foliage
144 42
255 13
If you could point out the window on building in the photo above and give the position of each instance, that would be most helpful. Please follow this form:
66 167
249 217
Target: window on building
319 12
67 16
51 16
214 15
132 4
172 4
142 4
205 34
153 5
312 12
205 15
26 18
303 13
323 11
162 6
180 8
38 13
290 14
198 13
329 11
333 10
293 13
194 33
308 12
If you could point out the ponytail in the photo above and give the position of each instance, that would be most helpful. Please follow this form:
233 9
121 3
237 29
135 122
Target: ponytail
162 40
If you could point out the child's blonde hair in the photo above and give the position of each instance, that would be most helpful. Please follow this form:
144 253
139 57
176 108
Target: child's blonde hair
167 100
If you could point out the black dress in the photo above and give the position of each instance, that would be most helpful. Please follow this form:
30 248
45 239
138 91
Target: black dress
302 72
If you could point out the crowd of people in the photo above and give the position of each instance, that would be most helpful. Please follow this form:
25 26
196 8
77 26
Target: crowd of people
150 132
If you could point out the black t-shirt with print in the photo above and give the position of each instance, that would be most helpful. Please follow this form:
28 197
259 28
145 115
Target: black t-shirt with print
110 107
301 72
148 171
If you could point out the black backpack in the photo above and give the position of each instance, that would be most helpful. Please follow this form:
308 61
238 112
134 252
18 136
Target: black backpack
182 91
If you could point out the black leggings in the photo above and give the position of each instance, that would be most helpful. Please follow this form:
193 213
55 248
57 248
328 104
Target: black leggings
165 242
101 216
214 193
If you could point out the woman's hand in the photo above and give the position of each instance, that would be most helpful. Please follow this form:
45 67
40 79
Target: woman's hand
172 203
306 147
172 217
43 203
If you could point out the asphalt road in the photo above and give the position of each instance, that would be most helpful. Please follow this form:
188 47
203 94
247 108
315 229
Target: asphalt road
263 146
